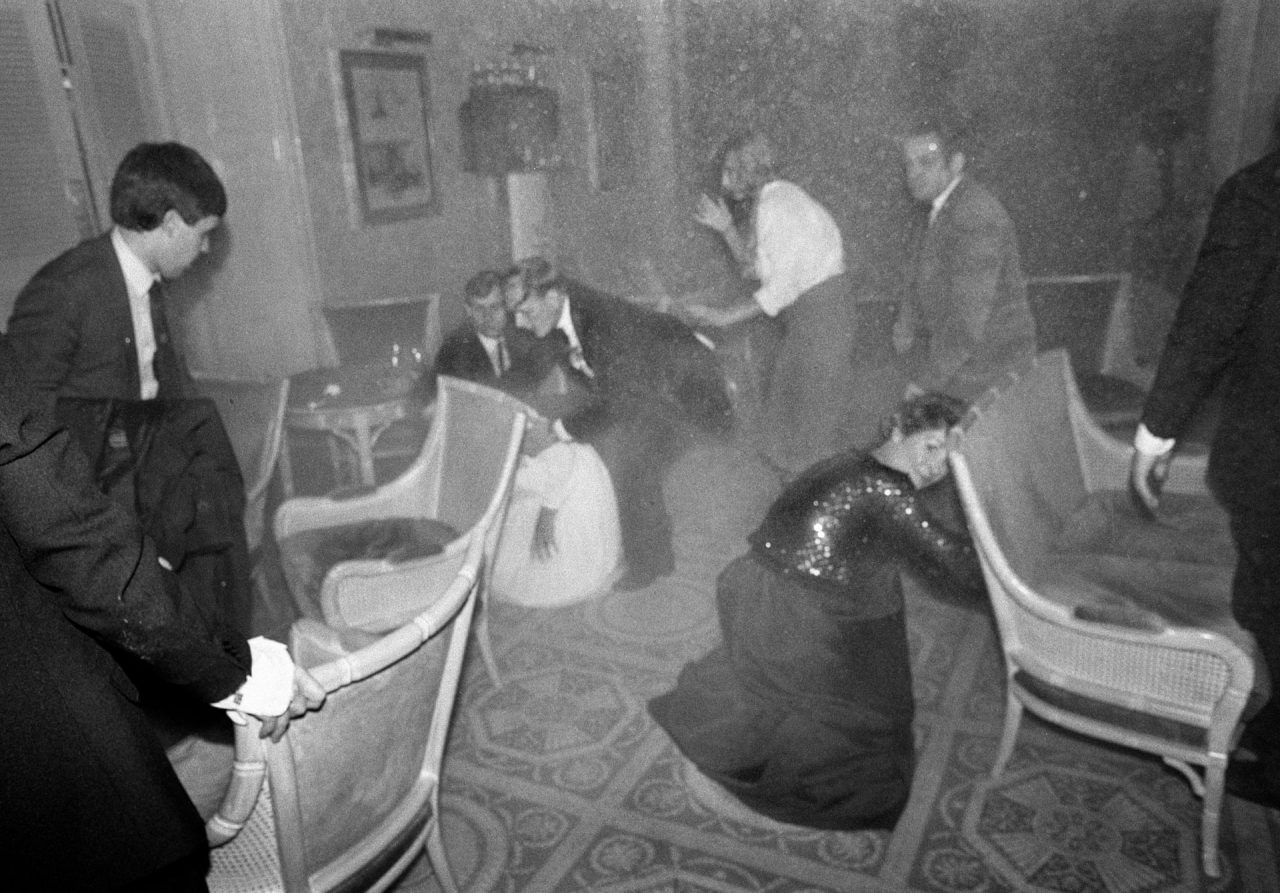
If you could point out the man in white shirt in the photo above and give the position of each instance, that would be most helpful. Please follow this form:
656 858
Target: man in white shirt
92 322
794 250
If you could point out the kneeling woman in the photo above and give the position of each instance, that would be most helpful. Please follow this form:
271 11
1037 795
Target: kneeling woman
804 711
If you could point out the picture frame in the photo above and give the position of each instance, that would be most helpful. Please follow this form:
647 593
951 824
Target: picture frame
388 115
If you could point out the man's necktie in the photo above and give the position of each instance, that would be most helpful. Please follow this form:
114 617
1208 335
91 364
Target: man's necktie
164 363
504 358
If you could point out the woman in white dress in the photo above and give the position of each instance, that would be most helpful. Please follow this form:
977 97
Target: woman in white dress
560 542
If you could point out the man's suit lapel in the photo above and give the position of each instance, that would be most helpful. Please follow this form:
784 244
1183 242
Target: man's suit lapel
118 317
478 360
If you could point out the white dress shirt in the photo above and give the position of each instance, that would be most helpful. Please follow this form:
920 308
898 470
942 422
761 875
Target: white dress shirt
576 357
941 199
498 356
798 245
137 282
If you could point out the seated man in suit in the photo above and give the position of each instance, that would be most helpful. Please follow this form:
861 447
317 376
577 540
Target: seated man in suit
487 349
648 381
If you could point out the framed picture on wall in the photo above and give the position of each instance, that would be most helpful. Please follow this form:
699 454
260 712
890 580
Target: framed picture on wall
387 104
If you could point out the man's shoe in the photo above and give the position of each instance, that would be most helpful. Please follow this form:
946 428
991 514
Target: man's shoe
633 580
1248 781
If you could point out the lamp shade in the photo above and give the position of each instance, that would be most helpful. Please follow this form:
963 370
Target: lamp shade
509 128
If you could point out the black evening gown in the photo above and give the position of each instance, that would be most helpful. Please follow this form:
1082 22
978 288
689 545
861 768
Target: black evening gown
804 711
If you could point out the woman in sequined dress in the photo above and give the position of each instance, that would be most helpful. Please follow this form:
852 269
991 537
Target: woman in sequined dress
804 711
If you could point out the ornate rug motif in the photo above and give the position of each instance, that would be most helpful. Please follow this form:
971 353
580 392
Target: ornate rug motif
558 781
1067 830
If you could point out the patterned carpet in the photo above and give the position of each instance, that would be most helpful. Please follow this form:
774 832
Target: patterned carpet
559 781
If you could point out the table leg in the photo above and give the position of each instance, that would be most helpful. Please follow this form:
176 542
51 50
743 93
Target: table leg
286 464
364 452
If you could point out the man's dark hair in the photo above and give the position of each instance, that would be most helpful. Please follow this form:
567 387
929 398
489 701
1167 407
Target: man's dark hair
481 285
952 136
155 178
930 411
540 276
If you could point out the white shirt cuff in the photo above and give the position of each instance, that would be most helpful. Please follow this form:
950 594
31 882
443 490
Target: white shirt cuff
269 688
1148 444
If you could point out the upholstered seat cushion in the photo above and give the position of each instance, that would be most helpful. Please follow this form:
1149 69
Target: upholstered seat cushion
1191 529
1179 593
1111 564
307 556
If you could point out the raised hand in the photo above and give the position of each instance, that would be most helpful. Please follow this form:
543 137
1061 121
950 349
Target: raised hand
713 213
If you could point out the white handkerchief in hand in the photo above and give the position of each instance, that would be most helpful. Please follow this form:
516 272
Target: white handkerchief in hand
269 688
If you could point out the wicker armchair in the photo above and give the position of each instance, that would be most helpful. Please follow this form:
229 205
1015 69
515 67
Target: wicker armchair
253 414
1090 643
462 477
352 791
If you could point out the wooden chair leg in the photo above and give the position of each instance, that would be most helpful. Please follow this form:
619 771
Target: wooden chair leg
435 847
1211 817
481 626
1012 719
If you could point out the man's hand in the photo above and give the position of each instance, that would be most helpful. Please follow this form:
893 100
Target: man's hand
308 694
538 435
544 535
1147 474
911 390
713 213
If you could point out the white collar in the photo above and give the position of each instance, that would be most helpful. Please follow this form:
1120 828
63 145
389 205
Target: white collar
942 198
565 324
137 278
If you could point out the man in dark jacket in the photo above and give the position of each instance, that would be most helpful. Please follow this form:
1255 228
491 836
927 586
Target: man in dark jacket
92 322
649 383
487 348
88 800
966 296
1226 331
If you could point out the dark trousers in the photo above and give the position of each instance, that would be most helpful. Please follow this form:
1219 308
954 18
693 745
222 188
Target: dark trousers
187 875
638 452
1255 601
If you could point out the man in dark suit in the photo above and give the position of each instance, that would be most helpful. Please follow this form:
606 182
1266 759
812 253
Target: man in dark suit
966 297
90 328
487 348
649 384
88 800
92 322
1226 331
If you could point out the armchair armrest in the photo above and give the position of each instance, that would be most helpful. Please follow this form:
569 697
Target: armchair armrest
377 596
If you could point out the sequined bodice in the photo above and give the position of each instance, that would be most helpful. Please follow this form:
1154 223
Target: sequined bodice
848 519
